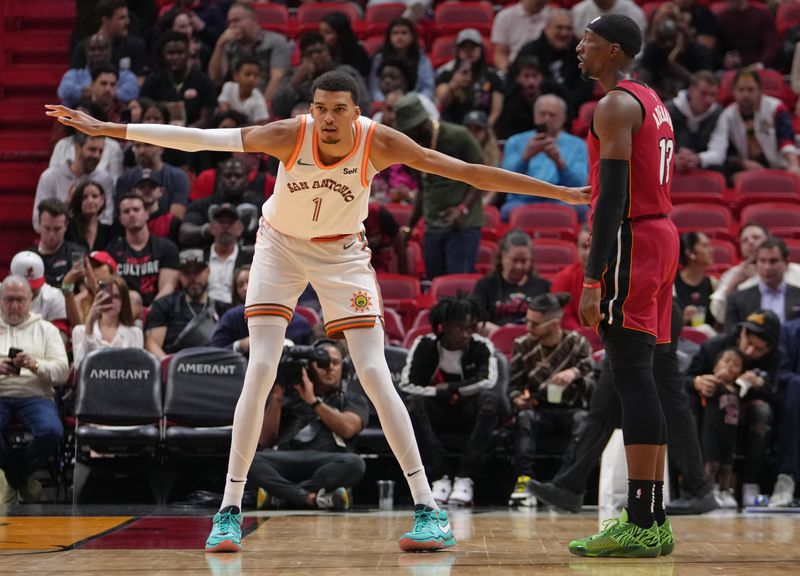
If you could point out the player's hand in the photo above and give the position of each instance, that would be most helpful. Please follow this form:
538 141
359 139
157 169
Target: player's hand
77 119
589 308
582 195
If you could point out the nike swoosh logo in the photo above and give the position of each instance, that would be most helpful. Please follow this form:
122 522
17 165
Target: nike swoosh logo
445 528
238 481
414 472
304 163
346 246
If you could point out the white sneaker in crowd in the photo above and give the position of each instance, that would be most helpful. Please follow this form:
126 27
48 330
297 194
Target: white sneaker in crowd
462 492
783 494
441 490
726 500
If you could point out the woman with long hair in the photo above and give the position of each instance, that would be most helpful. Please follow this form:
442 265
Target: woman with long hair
344 46
86 205
109 323
504 292
401 41
693 285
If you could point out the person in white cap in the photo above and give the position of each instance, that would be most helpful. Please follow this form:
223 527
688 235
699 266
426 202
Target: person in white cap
46 300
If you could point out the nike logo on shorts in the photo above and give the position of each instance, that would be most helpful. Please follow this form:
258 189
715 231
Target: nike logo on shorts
304 163
346 246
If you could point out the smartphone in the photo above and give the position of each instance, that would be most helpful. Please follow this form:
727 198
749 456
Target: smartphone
12 352
77 259
102 286
540 128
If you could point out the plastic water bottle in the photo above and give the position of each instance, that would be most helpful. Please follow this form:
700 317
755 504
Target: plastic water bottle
762 500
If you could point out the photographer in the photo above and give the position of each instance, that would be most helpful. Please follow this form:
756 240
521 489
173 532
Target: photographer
311 423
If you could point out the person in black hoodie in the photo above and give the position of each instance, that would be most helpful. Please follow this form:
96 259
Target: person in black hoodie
504 292
694 114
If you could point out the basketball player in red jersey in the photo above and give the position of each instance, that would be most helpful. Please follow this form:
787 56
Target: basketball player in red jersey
627 288
311 231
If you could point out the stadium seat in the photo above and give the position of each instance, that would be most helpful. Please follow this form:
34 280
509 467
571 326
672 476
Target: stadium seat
545 221
550 256
274 17
503 338
793 244
393 326
414 258
309 314
487 257
423 318
755 186
725 255
712 219
451 17
415 333
118 414
377 18
782 219
700 186
372 44
787 16
493 227
693 335
403 293
450 285
583 122
310 15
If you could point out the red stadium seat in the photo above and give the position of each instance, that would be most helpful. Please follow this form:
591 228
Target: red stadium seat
415 333
756 186
772 84
712 219
450 285
378 17
274 17
493 227
401 292
782 219
503 338
309 314
416 263
700 186
788 15
793 244
487 257
451 17
725 256
422 319
550 256
582 124
693 335
372 44
310 15
393 326
545 221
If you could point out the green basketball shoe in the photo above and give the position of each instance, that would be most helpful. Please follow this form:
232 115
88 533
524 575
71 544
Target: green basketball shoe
226 532
620 539
431 531
666 537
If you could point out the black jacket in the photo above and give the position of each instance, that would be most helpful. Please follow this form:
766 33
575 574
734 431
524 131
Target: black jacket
421 372
742 303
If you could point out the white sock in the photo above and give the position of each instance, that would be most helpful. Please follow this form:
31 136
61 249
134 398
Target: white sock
266 346
366 350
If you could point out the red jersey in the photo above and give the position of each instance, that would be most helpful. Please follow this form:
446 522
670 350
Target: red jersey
652 152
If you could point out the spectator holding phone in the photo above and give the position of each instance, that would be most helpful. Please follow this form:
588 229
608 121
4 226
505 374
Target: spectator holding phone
33 361
547 153
109 323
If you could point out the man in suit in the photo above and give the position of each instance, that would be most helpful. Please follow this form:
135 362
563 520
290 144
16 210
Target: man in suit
772 292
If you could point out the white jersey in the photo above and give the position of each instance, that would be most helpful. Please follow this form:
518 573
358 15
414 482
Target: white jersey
312 200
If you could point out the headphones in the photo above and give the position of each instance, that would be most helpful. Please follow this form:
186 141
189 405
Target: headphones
346 364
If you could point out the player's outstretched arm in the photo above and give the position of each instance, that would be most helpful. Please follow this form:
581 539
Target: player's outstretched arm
276 139
391 147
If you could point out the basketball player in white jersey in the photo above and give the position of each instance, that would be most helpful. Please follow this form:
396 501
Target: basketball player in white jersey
311 231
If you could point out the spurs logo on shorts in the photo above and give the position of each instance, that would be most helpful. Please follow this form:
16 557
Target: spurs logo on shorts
360 302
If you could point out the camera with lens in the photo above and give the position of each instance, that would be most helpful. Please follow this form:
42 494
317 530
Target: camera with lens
294 359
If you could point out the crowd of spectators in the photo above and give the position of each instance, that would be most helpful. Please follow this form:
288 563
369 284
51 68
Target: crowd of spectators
150 248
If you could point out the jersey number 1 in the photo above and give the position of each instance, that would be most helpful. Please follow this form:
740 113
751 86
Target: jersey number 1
317 205
667 145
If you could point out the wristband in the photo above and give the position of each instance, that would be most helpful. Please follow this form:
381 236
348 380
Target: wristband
316 403
464 209
592 285
67 288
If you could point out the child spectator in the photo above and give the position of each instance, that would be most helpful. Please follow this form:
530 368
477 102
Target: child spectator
242 93
720 422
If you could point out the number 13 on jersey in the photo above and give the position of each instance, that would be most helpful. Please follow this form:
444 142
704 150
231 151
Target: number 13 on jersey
667 145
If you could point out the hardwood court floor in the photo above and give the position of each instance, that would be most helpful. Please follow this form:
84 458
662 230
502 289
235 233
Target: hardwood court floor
490 542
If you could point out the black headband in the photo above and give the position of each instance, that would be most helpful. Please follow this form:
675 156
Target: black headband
618 29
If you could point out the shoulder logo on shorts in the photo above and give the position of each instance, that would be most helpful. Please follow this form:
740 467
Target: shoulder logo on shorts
360 302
